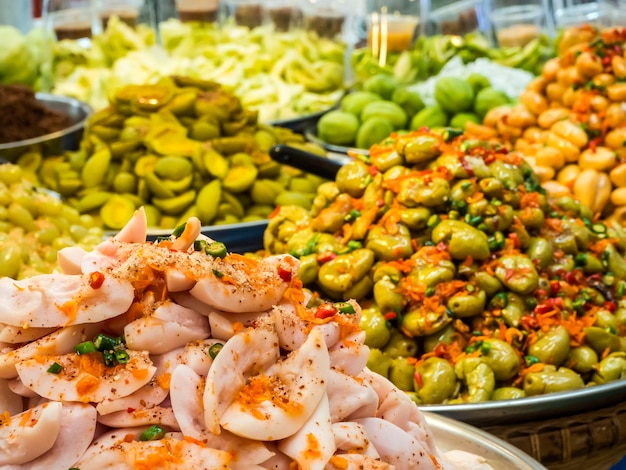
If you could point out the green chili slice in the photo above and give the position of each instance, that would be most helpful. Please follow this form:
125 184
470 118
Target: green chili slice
103 342
109 358
178 231
200 245
122 357
345 307
55 368
215 349
216 249
153 433
217 273
85 347
530 360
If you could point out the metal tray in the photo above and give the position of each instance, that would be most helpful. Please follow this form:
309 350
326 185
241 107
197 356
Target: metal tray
538 408
449 434
238 238
56 142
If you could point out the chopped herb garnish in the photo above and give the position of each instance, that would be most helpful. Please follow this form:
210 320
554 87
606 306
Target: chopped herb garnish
153 433
122 357
215 349
85 347
217 273
216 249
178 231
345 307
55 368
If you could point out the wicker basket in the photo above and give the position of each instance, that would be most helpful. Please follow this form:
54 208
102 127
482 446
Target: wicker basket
594 440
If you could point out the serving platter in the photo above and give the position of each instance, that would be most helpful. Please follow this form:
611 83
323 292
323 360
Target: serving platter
449 434
537 408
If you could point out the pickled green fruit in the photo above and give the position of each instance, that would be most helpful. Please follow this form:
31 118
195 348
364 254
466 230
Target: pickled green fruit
292 198
208 201
240 178
487 99
478 81
381 84
174 168
95 168
460 119
432 116
116 212
92 201
408 100
175 205
156 186
388 110
373 131
338 128
125 182
454 94
354 102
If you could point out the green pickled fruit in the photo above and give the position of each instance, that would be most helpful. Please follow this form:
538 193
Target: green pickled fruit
240 178
454 94
381 84
432 116
116 212
291 198
175 205
173 168
408 100
354 102
460 119
373 131
338 128
208 201
487 99
478 82
388 110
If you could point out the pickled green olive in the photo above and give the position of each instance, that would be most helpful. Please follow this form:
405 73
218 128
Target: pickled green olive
463 240
415 218
553 347
421 149
514 310
379 362
417 191
600 340
433 275
540 251
605 319
344 271
518 273
462 190
377 334
401 373
434 381
418 323
386 160
488 283
400 345
352 178
579 232
501 358
388 296
616 263
443 336
478 377
582 359
463 306
612 367
389 246
508 393
309 267
551 380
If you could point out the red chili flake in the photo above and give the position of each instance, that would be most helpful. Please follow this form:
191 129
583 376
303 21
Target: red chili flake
543 308
610 306
390 316
418 379
96 279
284 274
130 410
606 60
555 286
326 257
516 243
380 203
467 167
325 311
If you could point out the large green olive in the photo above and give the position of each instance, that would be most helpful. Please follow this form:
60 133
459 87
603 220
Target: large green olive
463 240
612 367
508 393
490 284
433 275
401 373
518 273
501 358
377 333
352 178
514 310
540 251
443 336
418 323
400 345
469 305
553 347
379 362
550 380
387 296
605 319
390 246
435 380
418 191
341 273
600 339
478 377
582 359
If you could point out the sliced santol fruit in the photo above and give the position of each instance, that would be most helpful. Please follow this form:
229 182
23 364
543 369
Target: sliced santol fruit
276 403
28 435
55 300
85 378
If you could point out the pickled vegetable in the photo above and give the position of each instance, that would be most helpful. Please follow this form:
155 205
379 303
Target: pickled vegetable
467 266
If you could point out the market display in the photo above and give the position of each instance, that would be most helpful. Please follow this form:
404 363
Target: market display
569 122
475 284
246 377
179 148
34 225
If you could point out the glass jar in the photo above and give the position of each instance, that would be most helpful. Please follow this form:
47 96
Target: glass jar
71 19
203 11
326 18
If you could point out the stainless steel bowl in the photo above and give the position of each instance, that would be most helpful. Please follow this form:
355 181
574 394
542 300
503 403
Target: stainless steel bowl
450 434
56 142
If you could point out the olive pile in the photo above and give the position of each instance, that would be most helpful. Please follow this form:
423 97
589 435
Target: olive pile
34 225
179 148
475 285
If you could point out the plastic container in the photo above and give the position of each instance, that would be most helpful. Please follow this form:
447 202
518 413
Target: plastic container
126 10
517 25
601 14
71 19
283 14
250 13
459 18
204 11
326 18
392 25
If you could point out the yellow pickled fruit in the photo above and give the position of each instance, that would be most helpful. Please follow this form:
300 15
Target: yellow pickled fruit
125 182
153 215
145 165
240 178
156 186
263 192
208 201
175 205
116 212
593 188
174 168
92 201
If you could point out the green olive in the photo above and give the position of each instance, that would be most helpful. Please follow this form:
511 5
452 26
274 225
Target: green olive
379 362
463 240
352 178
551 380
434 380
377 333
388 296
401 373
400 345
508 393
443 336
582 359
612 367
344 271
518 273
390 246
501 358
540 251
599 339
418 323
478 377
553 347
463 306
